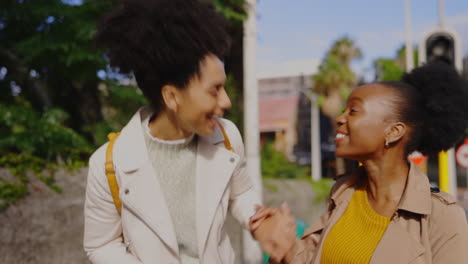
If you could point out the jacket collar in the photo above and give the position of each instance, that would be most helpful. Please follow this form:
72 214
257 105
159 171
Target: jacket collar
416 197
130 148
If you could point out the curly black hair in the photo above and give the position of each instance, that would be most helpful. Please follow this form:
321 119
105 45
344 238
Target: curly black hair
162 41
432 99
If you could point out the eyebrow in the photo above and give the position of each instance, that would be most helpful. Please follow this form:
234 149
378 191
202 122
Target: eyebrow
218 82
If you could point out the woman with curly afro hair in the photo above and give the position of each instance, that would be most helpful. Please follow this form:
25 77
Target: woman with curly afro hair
386 211
178 164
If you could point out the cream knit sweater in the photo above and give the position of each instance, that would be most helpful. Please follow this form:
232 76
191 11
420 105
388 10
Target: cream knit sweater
175 162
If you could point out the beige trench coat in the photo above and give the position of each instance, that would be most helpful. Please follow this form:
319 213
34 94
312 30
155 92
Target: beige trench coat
145 233
428 227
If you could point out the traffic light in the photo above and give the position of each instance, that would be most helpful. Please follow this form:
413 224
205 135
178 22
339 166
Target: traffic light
443 44
440 46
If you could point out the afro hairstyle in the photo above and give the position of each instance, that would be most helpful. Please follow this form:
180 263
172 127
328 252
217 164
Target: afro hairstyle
162 42
433 101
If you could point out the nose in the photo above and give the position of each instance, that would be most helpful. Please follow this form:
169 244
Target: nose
340 120
223 100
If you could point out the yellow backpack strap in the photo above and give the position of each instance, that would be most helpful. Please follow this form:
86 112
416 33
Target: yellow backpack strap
227 142
110 172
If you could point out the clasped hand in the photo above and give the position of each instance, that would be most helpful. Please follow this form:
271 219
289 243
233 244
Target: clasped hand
275 230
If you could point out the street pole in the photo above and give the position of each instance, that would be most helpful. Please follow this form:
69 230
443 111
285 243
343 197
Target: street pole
409 38
251 252
448 179
315 153
315 139
441 13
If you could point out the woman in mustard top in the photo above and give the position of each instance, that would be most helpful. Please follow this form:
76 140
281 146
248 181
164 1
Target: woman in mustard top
386 211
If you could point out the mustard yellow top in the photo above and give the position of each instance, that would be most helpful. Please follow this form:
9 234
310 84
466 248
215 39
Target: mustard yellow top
357 233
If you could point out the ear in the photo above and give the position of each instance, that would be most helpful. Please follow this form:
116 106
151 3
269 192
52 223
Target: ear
396 132
170 96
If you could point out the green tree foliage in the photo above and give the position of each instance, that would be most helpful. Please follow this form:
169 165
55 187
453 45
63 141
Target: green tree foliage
233 10
47 48
234 114
388 70
36 142
335 78
392 69
54 109
275 165
401 56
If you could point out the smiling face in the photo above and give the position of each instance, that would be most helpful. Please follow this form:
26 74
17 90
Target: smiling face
363 127
203 98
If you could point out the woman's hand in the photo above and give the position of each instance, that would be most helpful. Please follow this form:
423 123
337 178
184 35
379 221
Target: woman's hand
276 233
261 214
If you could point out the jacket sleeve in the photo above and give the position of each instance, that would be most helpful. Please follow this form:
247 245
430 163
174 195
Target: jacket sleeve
449 236
306 247
103 240
244 194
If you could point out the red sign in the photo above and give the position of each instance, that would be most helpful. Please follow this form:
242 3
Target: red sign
462 155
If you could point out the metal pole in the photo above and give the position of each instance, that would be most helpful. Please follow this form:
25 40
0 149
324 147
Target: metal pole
251 251
409 38
315 139
448 178
452 166
441 13
315 153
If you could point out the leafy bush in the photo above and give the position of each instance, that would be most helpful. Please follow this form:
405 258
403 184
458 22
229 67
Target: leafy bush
276 165
40 143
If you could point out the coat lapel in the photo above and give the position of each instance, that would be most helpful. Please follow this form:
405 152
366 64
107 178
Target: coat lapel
334 217
416 201
215 166
143 196
397 246
139 189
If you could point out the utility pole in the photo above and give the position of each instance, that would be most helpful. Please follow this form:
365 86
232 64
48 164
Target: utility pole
315 153
441 13
447 159
409 37
251 251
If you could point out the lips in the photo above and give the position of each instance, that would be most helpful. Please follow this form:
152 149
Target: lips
339 136
212 120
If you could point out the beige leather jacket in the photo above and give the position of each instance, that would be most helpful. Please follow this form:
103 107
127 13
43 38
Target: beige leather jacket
144 232
428 226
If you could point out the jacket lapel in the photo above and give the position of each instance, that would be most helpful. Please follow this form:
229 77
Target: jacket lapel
397 246
139 189
142 195
334 217
215 166
416 201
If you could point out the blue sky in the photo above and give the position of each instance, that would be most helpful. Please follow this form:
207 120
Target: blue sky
293 35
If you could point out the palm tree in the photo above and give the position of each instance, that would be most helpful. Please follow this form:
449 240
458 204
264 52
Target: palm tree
335 80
